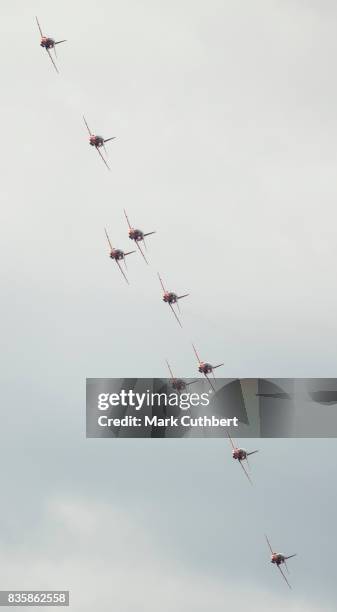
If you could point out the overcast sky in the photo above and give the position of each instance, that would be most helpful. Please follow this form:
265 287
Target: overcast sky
225 117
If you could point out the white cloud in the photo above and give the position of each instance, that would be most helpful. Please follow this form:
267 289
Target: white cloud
109 561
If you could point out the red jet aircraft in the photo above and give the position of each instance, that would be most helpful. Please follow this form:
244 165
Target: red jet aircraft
206 368
98 142
241 455
278 559
172 298
137 235
48 43
118 255
177 383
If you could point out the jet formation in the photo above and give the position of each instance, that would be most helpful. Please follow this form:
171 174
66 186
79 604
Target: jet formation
169 297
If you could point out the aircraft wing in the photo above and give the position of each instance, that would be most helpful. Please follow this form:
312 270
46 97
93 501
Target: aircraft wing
122 271
141 252
270 548
210 382
284 576
161 282
109 241
98 151
231 441
245 471
52 60
38 25
196 354
175 314
88 128
127 219
168 365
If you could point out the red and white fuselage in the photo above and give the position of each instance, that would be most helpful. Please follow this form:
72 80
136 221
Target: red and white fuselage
277 558
96 141
136 234
178 384
205 368
47 42
117 254
170 298
239 453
